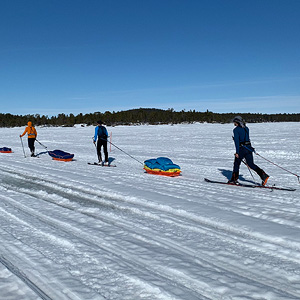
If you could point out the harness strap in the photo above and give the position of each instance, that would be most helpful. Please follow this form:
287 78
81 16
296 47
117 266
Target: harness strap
247 143
31 133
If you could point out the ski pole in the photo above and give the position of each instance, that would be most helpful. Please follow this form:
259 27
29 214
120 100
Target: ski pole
123 151
278 166
110 138
249 170
41 144
23 147
99 158
298 176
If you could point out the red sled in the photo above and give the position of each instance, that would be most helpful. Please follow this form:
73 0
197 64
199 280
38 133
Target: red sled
5 150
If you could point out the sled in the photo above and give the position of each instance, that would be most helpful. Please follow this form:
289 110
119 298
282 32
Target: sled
5 150
161 166
61 155
164 173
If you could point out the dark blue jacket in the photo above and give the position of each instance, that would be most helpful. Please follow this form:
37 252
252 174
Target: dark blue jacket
240 135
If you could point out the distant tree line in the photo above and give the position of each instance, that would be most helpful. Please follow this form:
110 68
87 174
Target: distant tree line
142 116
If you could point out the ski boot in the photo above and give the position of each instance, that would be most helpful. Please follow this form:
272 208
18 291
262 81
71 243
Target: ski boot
234 178
263 175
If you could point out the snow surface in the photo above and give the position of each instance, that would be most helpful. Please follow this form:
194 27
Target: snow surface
70 230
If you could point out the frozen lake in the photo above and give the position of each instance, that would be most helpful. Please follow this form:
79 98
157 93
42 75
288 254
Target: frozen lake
74 231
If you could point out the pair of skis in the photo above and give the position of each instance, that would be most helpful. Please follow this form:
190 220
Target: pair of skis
101 164
250 185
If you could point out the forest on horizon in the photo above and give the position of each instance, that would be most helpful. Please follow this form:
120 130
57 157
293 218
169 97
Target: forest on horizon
151 116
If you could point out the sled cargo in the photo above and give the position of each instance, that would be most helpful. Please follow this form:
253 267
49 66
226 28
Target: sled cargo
161 166
5 150
61 155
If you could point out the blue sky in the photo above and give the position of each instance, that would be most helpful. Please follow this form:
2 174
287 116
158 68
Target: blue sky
82 56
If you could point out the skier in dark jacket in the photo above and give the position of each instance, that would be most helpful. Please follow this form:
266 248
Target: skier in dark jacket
101 138
243 149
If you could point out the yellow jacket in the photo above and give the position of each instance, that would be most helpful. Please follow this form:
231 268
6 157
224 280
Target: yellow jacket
30 130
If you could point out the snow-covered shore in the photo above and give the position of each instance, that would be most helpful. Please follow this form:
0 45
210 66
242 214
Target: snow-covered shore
74 231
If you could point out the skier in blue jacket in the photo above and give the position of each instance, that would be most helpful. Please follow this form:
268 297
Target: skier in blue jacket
101 139
243 149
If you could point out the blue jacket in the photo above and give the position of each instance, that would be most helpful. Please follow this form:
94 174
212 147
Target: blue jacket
104 130
240 135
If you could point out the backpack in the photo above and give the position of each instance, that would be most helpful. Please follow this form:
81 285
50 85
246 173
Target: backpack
102 132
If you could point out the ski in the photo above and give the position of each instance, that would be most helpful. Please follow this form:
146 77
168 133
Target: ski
251 185
101 165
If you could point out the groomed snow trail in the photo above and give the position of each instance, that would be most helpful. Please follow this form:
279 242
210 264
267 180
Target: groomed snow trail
77 231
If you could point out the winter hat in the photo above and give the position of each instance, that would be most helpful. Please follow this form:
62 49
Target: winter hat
239 120
99 122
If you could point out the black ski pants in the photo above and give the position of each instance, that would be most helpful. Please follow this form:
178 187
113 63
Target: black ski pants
31 144
100 143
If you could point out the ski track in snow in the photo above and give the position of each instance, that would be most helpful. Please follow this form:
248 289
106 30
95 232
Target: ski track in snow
73 231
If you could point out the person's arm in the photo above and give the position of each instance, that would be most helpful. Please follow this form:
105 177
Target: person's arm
24 132
96 134
236 139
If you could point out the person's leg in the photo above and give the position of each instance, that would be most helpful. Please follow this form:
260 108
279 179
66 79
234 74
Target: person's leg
249 160
236 169
105 151
261 173
31 146
99 151
236 165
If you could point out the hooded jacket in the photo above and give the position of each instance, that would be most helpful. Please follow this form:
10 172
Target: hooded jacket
240 135
30 130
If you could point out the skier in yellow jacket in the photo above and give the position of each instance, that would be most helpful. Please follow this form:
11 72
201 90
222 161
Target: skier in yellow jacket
32 134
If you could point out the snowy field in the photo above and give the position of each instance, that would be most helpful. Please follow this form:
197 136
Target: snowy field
73 231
